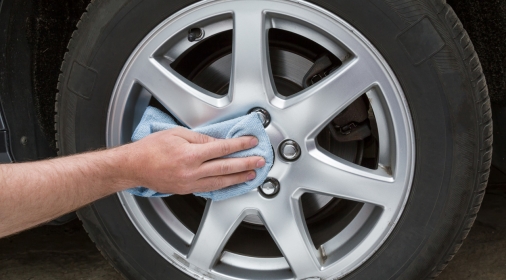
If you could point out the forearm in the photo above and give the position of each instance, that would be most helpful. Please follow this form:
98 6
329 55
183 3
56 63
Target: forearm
176 161
36 192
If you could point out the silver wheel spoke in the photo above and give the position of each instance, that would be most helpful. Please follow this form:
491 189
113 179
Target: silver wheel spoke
179 96
218 223
287 227
250 79
234 53
342 179
315 107
387 143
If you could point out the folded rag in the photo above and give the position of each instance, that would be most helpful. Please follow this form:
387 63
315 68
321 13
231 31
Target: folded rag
155 120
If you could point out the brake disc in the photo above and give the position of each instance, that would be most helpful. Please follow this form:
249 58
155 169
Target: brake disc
289 71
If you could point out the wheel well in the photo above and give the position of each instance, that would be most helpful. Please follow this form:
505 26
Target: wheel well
485 21
51 27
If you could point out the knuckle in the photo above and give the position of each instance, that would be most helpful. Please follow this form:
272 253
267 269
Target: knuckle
184 175
192 156
245 144
201 138
252 164
245 164
239 178
225 148
188 175
225 168
217 183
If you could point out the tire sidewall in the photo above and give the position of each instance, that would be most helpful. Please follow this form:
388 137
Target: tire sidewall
440 99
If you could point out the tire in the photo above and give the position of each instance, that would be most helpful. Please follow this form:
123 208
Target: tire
440 74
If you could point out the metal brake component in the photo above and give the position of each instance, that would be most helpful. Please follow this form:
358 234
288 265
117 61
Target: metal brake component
356 112
345 130
318 71
195 34
350 132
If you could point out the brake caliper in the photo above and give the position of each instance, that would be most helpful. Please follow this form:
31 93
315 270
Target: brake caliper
351 124
321 68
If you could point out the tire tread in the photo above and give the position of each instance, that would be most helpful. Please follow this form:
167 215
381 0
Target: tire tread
63 68
478 81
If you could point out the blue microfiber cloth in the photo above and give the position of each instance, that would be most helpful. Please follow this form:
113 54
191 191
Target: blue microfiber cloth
155 120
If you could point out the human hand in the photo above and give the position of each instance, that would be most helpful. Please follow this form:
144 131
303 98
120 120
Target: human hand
180 161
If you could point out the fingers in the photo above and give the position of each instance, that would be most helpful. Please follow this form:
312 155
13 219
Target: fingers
223 147
230 166
215 148
191 136
219 182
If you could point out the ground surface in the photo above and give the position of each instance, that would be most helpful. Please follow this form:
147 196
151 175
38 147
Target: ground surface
65 252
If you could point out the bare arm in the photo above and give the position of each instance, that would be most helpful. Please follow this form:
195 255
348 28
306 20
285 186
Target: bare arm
177 161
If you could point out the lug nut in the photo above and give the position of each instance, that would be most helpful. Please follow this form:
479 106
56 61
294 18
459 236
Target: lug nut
289 150
265 117
270 187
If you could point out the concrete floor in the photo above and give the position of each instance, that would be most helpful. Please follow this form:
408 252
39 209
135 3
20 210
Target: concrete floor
65 252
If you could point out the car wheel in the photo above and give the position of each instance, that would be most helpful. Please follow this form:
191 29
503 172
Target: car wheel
384 103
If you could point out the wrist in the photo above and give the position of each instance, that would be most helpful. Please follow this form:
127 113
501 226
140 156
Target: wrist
123 171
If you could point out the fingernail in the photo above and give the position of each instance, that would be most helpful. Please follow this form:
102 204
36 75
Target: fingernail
254 141
251 176
261 163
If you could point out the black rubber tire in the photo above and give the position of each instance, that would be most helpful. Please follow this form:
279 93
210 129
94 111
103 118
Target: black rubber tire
441 78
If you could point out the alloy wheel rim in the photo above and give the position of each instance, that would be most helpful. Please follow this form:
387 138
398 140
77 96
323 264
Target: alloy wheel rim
384 191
